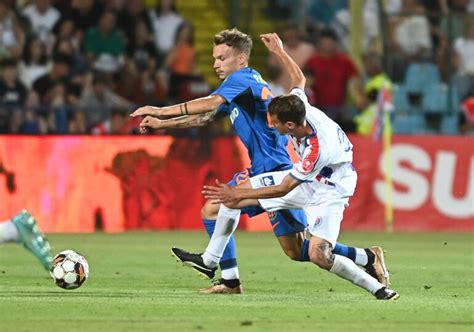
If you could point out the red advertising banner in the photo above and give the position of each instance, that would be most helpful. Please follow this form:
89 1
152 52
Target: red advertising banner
433 179
84 183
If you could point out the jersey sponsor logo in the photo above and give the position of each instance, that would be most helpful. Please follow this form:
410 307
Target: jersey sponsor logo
317 221
343 140
234 114
267 181
308 165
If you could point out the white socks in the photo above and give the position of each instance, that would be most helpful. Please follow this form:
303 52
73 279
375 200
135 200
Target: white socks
345 268
361 258
229 274
8 232
226 223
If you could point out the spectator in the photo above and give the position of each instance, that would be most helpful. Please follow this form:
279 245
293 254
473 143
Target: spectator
85 14
128 18
104 45
67 41
59 72
376 80
42 17
66 30
184 82
334 73
464 62
370 16
76 124
119 123
139 80
52 91
34 63
299 50
141 50
149 90
98 100
11 35
182 62
12 98
410 34
165 21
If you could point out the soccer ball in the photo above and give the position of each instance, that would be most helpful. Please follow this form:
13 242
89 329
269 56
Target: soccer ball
70 269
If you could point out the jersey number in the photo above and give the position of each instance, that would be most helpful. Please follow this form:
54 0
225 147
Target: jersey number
343 140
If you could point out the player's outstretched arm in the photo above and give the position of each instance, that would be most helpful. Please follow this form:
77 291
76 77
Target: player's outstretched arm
275 46
195 106
185 121
222 193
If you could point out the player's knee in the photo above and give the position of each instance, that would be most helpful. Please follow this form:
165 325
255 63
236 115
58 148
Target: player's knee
322 255
209 211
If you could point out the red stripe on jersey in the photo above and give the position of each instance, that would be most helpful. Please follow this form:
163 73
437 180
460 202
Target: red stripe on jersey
311 159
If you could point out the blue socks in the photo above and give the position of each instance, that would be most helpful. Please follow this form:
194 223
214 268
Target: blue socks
229 258
340 249
346 251
304 256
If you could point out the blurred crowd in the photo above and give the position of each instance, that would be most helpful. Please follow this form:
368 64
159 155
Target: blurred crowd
421 50
81 66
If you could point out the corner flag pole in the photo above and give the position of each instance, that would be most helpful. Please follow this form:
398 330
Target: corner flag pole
388 171
382 129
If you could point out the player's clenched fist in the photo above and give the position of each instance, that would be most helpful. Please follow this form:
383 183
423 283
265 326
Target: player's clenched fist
146 110
151 122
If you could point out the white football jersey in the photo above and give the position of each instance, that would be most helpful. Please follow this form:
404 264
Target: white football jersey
323 153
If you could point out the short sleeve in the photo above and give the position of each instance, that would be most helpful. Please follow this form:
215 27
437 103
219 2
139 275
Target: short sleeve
300 93
233 86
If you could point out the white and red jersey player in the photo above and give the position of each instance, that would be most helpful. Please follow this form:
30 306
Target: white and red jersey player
325 155
325 170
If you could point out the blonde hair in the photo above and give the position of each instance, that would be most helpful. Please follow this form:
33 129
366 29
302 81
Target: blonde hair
236 39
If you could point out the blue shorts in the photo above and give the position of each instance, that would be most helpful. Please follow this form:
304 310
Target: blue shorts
284 222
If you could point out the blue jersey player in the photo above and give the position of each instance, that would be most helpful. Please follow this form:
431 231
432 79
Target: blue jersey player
244 96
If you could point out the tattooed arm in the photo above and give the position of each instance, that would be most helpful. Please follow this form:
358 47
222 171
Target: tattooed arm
186 121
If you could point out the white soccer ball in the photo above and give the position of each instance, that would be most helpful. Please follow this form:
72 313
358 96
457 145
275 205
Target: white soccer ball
70 269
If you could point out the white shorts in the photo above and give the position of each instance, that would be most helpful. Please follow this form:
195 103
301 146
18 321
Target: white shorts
323 204
324 220
295 199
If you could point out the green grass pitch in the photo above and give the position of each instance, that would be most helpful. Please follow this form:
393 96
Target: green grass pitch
135 285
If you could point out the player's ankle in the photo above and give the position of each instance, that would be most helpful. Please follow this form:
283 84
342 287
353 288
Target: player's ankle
370 257
209 260
231 283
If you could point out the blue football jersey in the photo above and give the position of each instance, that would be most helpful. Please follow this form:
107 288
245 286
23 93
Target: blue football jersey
247 97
